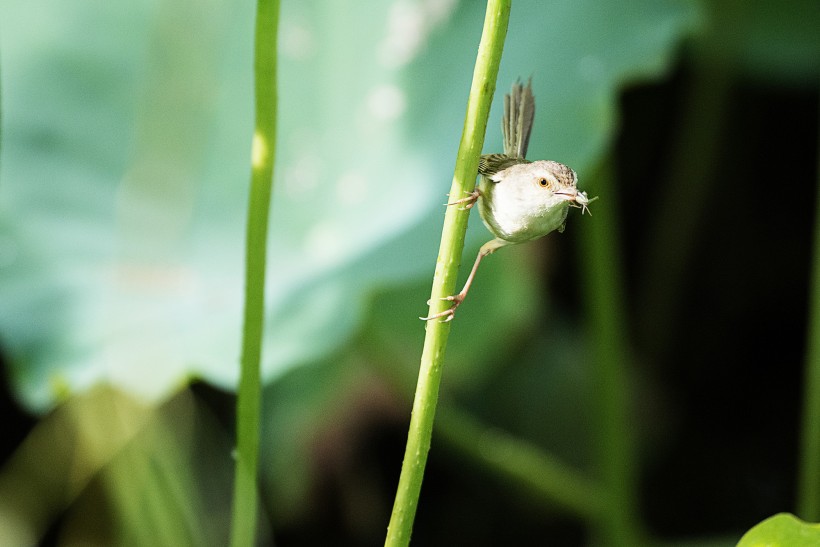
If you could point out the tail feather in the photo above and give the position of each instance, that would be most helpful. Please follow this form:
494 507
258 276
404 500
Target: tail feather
516 124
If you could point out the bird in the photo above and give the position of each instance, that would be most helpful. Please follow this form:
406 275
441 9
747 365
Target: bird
519 200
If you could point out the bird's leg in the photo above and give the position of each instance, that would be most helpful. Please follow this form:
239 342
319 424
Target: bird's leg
470 200
457 299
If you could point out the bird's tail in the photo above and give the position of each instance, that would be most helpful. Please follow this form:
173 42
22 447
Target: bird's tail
516 124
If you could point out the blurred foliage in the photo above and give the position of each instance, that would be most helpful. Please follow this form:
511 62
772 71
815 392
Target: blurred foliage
125 165
126 134
782 530
763 39
123 473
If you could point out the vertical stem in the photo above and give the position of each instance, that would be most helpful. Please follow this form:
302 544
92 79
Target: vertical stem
603 280
444 279
262 158
808 488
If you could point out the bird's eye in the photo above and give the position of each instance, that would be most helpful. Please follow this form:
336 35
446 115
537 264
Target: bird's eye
543 182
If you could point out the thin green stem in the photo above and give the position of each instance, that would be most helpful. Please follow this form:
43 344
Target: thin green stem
262 158
603 279
808 488
444 280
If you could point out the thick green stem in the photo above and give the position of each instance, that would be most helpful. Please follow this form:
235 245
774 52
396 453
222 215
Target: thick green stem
444 280
808 488
262 158
603 280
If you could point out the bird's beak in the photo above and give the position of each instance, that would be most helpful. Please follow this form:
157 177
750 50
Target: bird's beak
570 195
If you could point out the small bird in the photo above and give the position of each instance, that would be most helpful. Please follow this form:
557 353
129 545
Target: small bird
519 200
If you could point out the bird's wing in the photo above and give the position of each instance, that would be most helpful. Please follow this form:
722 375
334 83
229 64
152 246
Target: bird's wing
490 164
516 124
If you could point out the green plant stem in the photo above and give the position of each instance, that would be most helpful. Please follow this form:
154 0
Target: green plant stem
606 309
537 472
521 465
249 396
444 279
808 488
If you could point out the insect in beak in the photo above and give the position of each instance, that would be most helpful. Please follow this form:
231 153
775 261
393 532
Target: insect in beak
579 200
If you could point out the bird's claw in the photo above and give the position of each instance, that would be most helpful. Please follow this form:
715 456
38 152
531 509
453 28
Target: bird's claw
470 200
450 312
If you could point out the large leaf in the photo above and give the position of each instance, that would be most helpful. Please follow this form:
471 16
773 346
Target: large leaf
124 174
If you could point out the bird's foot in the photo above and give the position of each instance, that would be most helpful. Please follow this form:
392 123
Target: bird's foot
450 312
470 200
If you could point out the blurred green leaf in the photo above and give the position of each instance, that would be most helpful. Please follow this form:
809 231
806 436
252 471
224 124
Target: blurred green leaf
110 468
314 421
774 40
783 530
125 160
169 485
